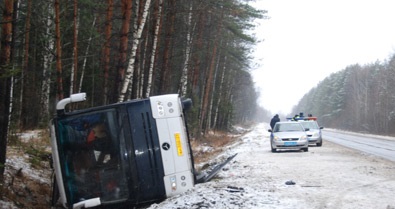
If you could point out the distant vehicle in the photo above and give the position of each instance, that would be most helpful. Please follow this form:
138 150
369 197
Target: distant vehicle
289 135
314 134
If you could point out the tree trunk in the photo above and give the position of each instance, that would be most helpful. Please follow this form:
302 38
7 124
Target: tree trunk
74 68
219 93
165 73
5 81
127 14
85 59
107 49
184 77
197 54
157 17
48 58
209 81
144 56
14 53
213 92
131 92
27 77
58 52
130 69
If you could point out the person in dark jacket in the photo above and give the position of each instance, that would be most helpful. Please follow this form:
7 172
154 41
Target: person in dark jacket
274 120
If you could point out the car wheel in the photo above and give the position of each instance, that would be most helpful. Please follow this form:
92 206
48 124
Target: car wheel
319 144
271 146
305 149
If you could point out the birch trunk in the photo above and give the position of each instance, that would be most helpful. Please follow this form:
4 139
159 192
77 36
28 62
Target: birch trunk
184 77
85 58
48 58
154 46
127 14
142 74
136 23
14 53
130 69
219 93
212 94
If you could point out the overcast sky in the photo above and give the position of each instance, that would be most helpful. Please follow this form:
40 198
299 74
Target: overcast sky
305 41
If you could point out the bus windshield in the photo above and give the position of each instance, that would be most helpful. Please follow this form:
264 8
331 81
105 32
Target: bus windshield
89 149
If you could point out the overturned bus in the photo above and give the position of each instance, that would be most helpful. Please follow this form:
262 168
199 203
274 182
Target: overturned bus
121 154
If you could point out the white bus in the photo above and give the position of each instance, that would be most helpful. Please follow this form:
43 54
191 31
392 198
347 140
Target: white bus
121 154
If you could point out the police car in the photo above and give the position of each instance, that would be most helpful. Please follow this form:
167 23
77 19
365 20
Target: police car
314 132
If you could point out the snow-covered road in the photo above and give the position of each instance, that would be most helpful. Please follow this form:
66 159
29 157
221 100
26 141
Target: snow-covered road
330 176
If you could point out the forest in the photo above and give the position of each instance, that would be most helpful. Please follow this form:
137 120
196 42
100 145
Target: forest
359 98
117 50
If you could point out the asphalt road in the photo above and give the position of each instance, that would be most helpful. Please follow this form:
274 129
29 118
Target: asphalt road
380 146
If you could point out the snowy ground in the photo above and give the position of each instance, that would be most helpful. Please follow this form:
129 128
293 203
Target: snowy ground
27 174
325 177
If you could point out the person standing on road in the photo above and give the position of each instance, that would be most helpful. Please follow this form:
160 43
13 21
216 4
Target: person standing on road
274 120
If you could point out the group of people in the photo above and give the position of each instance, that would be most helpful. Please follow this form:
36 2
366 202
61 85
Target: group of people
276 119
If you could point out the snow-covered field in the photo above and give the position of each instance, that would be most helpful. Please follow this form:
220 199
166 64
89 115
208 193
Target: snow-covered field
325 177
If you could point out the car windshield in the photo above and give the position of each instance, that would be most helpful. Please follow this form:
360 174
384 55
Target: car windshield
310 124
285 127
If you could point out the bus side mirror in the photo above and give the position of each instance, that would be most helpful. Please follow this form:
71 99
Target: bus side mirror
60 106
186 104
